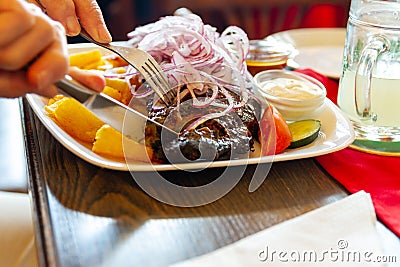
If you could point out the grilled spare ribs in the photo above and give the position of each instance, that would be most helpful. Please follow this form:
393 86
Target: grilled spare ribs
230 136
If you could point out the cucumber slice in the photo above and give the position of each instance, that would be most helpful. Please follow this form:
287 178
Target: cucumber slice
304 132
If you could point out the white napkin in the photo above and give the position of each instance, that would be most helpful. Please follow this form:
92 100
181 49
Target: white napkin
339 234
17 244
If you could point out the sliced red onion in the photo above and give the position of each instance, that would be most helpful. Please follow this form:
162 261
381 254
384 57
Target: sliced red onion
214 115
197 43
194 53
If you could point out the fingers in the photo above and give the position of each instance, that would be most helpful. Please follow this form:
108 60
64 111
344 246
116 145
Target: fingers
34 48
27 46
64 12
15 21
88 78
91 18
52 64
14 84
34 59
74 13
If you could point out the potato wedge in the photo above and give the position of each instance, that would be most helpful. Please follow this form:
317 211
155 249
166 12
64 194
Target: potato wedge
122 87
114 93
90 59
110 142
74 118
115 61
82 124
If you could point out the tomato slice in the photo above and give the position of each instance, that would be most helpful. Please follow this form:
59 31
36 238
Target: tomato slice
274 133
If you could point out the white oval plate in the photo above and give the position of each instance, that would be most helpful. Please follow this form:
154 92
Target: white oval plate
320 49
336 133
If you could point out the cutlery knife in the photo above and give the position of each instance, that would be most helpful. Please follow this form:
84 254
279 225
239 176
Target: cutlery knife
125 119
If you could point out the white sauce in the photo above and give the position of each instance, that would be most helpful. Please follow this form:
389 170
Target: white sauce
291 89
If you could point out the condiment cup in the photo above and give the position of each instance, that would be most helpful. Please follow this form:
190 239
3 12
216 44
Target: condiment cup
266 55
296 96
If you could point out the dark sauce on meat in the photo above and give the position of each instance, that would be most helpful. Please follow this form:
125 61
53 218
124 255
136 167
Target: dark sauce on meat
227 137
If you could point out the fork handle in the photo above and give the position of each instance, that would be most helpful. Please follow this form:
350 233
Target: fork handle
89 38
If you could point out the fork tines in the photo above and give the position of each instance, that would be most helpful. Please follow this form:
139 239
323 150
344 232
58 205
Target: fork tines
160 84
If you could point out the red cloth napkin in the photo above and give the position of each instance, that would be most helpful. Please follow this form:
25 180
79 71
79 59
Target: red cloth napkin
355 170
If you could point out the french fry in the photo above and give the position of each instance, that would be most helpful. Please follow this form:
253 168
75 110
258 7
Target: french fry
114 93
110 142
122 87
83 125
78 121
74 118
115 61
54 99
90 59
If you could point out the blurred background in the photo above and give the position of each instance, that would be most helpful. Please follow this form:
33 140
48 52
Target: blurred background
258 18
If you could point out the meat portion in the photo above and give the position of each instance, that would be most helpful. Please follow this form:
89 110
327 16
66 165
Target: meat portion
210 142
226 137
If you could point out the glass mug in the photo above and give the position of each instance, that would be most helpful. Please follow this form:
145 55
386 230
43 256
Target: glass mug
369 87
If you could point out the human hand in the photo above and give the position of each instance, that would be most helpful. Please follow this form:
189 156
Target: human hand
33 50
89 78
76 13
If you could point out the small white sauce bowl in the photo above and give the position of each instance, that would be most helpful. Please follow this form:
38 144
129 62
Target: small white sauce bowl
291 108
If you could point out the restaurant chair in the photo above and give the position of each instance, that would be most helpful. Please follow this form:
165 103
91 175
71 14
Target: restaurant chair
260 18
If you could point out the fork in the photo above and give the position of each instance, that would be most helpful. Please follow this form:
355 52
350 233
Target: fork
143 62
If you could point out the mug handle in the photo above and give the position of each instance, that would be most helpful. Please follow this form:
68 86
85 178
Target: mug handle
377 45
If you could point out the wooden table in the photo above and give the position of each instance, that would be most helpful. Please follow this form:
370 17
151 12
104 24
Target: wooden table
89 216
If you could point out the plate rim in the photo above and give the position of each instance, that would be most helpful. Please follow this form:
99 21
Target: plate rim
291 38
